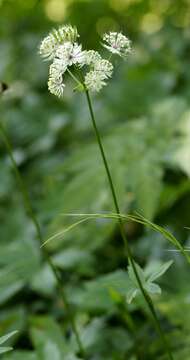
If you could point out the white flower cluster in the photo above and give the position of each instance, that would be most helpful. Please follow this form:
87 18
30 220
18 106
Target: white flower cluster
101 70
57 37
117 43
61 48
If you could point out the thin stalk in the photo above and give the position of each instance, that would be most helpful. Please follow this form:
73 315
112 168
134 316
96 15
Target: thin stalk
29 209
74 77
122 231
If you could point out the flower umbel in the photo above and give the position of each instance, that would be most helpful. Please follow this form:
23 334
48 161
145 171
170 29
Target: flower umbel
94 81
104 67
91 57
70 54
101 70
55 38
62 48
117 43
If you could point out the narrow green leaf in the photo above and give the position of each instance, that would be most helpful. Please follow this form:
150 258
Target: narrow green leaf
5 349
6 337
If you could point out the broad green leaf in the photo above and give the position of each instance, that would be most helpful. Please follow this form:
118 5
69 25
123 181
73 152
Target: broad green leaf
19 261
48 338
97 334
44 281
97 293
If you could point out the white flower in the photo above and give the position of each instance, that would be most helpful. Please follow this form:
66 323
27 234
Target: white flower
57 37
48 47
104 67
55 82
57 68
61 47
70 54
91 57
117 43
101 70
65 55
94 81
56 85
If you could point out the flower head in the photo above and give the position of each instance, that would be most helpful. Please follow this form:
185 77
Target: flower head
56 85
104 67
117 43
55 38
56 70
94 81
101 70
48 47
91 57
70 53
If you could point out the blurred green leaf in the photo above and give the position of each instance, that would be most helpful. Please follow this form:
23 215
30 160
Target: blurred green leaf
3 339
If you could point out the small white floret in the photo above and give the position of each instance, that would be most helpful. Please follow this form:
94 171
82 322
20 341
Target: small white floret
94 81
57 68
91 57
56 86
104 67
48 47
117 43
70 54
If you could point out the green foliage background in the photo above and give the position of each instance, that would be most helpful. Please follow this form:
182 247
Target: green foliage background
144 118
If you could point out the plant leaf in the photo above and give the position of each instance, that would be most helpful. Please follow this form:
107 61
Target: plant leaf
160 271
6 337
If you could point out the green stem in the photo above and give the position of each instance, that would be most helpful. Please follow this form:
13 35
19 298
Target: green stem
122 231
74 77
28 206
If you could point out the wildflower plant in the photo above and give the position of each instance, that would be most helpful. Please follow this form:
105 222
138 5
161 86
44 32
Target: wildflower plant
93 72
